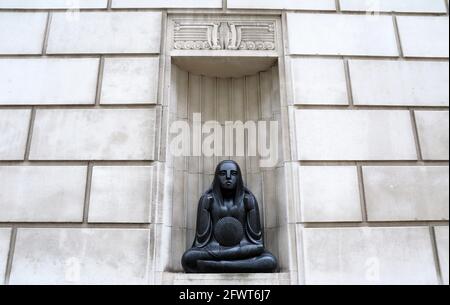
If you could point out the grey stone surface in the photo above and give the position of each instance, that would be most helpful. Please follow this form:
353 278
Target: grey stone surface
42 193
283 4
52 4
354 135
341 35
105 32
13 133
432 128
329 194
399 83
442 236
319 81
121 194
167 3
410 6
48 81
5 237
22 33
94 134
401 193
424 36
81 256
130 81
226 279
369 256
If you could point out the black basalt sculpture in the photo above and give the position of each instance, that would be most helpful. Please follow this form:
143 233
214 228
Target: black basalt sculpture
229 236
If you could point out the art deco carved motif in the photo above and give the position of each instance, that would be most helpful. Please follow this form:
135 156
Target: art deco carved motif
224 35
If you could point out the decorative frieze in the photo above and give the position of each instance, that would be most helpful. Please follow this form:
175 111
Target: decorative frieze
224 35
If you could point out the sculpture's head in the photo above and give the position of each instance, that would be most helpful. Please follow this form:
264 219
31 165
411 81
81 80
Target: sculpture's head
227 173
228 177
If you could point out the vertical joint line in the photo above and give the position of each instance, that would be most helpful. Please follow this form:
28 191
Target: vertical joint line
338 6
30 133
362 193
224 5
216 116
350 100
230 105
162 65
87 194
416 135
436 255
247 165
12 245
109 5
101 67
47 33
397 36
259 95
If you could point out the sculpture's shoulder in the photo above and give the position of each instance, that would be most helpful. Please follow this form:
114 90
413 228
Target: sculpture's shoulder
206 199
250 200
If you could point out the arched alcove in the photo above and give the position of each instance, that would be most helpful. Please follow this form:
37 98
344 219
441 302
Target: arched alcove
224 89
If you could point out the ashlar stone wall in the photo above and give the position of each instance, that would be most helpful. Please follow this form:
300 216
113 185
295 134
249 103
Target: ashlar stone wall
364 91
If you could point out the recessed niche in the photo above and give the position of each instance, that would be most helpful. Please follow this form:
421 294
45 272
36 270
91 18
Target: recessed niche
225 89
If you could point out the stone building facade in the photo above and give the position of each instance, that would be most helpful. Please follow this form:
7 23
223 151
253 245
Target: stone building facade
90 192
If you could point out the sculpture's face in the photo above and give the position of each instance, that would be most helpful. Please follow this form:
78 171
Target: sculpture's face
228 175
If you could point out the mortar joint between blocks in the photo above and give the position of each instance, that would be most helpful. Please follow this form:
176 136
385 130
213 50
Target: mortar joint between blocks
87 198
362 193
47 33
415 130
30 134
98 92
436 255
9 262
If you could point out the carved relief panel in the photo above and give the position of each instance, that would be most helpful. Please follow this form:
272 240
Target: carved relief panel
224 33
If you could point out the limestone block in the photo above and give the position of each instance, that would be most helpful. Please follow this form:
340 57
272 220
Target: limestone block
22 33
13 133
341 35
167 3
369 256
105 32
94 134
130 81
324 5
442 248
432 127
226 279
121 194
329 194
319 81
42 193
402 193
424 36
52 4
5 236
48 81
410 6
81 256
354 135
399 83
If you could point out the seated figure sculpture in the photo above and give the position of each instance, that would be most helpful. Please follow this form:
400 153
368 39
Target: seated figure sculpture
229 236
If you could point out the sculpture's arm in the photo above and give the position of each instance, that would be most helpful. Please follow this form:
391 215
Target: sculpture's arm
253 223
204 223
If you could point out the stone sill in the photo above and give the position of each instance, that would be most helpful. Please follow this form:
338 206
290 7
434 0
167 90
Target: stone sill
226 279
